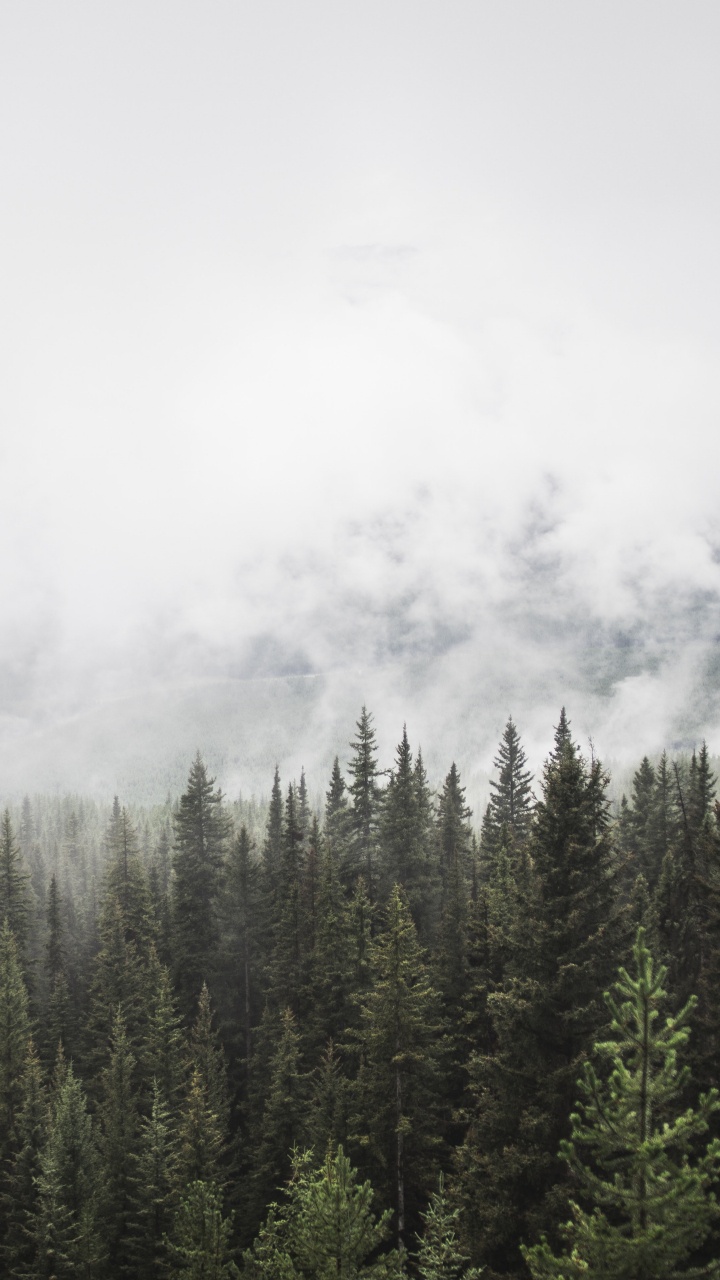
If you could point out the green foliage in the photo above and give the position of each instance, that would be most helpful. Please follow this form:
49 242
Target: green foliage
66 1227
14 884
643 1172
199 1247
325 1228
397 1089
366 803
511 802
14 1035
440 1256
154 1190
201 834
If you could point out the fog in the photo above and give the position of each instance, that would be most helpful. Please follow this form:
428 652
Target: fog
361 353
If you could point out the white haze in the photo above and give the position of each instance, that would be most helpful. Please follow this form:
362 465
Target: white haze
355 353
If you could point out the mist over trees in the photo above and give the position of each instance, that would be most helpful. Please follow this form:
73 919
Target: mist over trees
389 1037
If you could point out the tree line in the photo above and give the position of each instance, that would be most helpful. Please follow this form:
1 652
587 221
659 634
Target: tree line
371 1041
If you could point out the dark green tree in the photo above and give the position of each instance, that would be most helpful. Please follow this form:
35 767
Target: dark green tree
565 943
366 803
406 837
201 835
154 1191
118 1145
199 1246
396 1099
14 1037
14 884
66 1228
511 803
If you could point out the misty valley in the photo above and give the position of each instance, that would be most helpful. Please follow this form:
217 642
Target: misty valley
378 1036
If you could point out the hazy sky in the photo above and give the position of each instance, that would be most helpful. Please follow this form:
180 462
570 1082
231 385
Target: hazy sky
370 341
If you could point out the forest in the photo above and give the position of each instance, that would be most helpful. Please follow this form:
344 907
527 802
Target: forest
374 1040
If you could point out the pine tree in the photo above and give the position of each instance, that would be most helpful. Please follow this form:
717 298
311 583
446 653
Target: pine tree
126 884
161 1051
405 838
511 804
240 992
337 826
648 1187
14 1037
200 1243
118 1147
273 846
19 1179
366 797
439 1256
154 1191
66 1226
396 1093
564 945
201 833
14 885
455 845
59 1020
276 1109
325 1228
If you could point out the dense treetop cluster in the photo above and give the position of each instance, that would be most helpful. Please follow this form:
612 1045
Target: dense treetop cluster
368 1042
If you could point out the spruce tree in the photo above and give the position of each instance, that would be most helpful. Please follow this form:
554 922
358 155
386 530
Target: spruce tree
324 1228
19 1177
118 1144
440 1256
637 1152
66 1227
14 885
511 802
201 834
366 801
565 944
199 1246
14 1037
406 838
154 1190
337 825
397 1089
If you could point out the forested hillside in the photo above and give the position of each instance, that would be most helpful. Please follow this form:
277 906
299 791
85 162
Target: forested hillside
374 1018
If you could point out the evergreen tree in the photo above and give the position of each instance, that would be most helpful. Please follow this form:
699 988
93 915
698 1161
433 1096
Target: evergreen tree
396 1093
565 943
118 1147
161 1050
59 1020
455 845
200 1243
155 1191
366 797
276 1109
650 1192
405 838
240 994
14 1037
14 885
201 832
511 804
126 884
440 1256
19 1179
273 846
337 826
325 1228
66 1226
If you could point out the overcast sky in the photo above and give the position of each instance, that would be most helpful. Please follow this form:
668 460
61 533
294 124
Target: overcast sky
370 342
